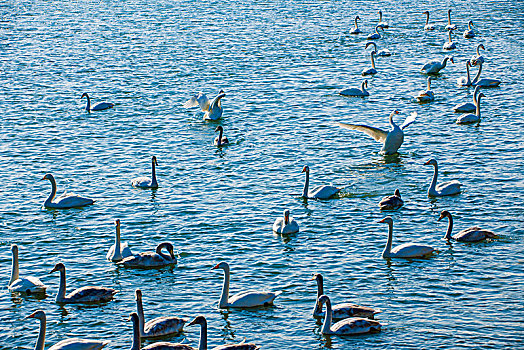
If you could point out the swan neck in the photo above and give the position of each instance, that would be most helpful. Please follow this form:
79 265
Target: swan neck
387 250
363 87
88 106
320 291
356 24
49 199
306 185
135 345
468 75
478 50
140 312
449 35
153 174
427 18
450 228
434 180
444 62
373 59
326 327
477 104
62 288
14 268
429 84
117 253
202 344
159 252
224 298
478 74
449 17
41 335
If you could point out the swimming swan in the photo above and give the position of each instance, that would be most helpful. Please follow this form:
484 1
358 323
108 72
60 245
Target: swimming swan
469 33
469 118
484 82
98 107
372 70
406 250
468 107
383 52
478 58
151 259
319 192
376 34
66 200
472 234
212 108
29 284
285 224
201 320
450 26
426 95
435 66
144 181
391 202
380 22
137 339
122 250
428 26
220 140
444 189
450 45
356 29
362 92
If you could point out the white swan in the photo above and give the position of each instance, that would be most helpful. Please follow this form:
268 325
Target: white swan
465 81
469 33
66 344
383 52
88 294
144 181
469 118
428 26
29 284
450 45
212 109
160 326
220 140
362 92
380 22
347 326
406 250
319 192
243 299
478 58
393 139
376 34
372 70
151 259
426 95
285 224
66 200
435 66
484 82
450 26
137 339
444 189
472 234
122 250
201 320
98 107
468 107
340 311
356 29
391 202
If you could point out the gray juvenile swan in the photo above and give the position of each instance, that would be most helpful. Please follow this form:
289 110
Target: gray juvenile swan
155 259
220 140
391 202
472 234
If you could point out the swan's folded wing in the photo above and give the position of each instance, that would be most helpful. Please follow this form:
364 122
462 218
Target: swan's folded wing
409 120
376 133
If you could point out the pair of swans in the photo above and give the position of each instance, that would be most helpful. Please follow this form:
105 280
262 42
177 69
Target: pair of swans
469 118
98 107
66 344
469 33
340 311
220 140
406 250
428 26
468 107
319 192
354 92
391 140
435 66
449 45
119 250
383 52
356 29
155 259
472 234
212 108
28 285
88 294
66 200
286 224
426 95
391 202
444 189
246 299
144 181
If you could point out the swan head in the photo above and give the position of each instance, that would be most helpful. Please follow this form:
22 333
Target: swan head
84 95
117 222
366 82
138 294
38 314
323 300
451 59
286 216
201 320
480 95
58 267
449 11
153 159
425 13
444 214
481 46
470 23
219 128
133 317
371 44
318 277
431 161
305 169
387 220
221 265
48 177
357 18
397 192
14 249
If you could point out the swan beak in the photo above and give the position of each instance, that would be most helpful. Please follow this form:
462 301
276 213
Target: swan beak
42 178
452 60
440 218
427 163
216 267
31 316
191 323
381 221
54 269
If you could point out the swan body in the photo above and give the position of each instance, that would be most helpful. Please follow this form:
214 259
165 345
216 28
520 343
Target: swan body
347 326
285 224
469 33
29 284
376 34
391 140
67 344
472 234
444 189
406 250
201 320
245 299
468 107
391 202
137 339
383 52
485 82
450 26
450 45
340 311
428 26
356 29
427 95
220 140
380 22
362 92
122 250
88 294
151 259
319 192
372 70
478 58
469 118
158 327
435 66
98 107
66 200
465 81
146 182
212 108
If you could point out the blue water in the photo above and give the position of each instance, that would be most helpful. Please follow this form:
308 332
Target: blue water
281 66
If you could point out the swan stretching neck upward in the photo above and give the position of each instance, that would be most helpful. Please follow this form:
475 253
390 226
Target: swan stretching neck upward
319 192
380 22
66 200
137 339
212 108
406 250
347 326
450 45
220 140
450 26
391 202
160 326
444 189
468 107
383 52
66 344
469 118
472 234
340 311
478 58
29 284
119 250
151 259
393 139
428 26
426 95
465 81
201 320
484 82
376 34
435 66
372 70
243 299
356 29
87 294
286 224
98 107
144 181
362 92
469 33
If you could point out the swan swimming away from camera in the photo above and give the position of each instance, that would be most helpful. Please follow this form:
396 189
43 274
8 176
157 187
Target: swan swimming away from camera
391 140
444 189
137 339
450 26
428 26
66 200
468 107
391 202
484 82
450 45
469 118
435 66
212 108
98 107
144 181
469 33
220 140
285 224
28 284
119 250
406 250
426 95
472 234
356 29
319 192
362 92
154 259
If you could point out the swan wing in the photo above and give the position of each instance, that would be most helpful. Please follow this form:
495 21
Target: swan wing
142 181
391 202
167 346
409 120
355 325
79 344
145 260
27 284
465 108
450 187
241 346
252 299
102 106
72 200
411 250
473 234
323 192
161 326
431 66
90 294
346 310
376 133
199 99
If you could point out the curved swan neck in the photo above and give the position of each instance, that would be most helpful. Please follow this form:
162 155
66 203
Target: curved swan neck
478 49
320 291
153 173
434 180
14 267
445 61
373 59
41 335
478 74
53 192
450 227
224 298
62 289
88 106
427 17
387 250
326 327
469 25
467 73
202 344
356 24
306 185
135 345
362 86
159 251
